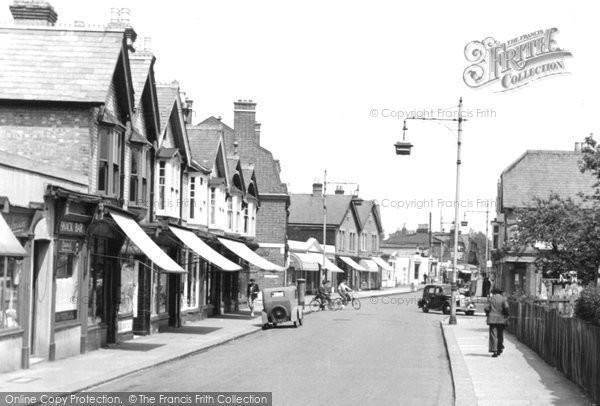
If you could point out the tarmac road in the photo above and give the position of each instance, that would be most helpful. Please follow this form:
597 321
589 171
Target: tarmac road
386 353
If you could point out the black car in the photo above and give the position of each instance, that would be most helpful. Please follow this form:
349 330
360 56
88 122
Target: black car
439 297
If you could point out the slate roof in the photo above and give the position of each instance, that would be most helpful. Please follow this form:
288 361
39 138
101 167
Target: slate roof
308 209
140 68
166 96
538 173
408 240
204 145
57 64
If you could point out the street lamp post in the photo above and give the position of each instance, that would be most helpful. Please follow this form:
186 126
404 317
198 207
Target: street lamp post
403 148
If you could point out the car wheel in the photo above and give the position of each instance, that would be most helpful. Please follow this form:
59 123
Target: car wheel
446 308
425 308
279 314
265 326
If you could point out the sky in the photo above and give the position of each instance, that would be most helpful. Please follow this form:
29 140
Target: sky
331 80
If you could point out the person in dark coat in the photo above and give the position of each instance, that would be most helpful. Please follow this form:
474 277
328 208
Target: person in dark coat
497 312
486 287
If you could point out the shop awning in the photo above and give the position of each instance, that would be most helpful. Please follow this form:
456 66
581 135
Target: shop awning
144 243
303 261
9 245
381 262
330 266
204 250
369 265
242 251
352 264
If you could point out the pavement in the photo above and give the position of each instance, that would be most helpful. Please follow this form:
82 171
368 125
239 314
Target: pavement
517 377
86 371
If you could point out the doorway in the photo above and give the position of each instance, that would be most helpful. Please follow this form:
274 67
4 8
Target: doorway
41 301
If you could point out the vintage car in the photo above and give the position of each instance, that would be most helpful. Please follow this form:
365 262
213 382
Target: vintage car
438 297
280 305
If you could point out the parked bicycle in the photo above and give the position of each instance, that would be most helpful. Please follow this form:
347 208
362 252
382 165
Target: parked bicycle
317 304
342 301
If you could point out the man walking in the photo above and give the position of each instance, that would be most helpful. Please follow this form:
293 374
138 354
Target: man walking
497 312
252 294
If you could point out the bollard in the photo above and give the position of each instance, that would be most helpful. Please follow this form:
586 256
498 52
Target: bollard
301 291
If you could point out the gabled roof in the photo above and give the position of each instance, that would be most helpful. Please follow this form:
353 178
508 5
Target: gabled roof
58 64
308 209
235 167
142 76
538 173
204 145
170 108
363 209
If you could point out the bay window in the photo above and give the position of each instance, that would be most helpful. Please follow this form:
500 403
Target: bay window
230 213
213 203
139 175
162 172
109 165
192 197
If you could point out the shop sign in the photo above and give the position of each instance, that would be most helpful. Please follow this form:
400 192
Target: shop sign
68 246
65 316
72 227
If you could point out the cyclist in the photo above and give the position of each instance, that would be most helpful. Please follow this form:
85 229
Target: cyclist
344 291
324 294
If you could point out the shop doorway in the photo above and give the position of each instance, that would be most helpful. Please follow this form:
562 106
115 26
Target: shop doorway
41 301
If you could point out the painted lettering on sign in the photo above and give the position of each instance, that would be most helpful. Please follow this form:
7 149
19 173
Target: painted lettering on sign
72 227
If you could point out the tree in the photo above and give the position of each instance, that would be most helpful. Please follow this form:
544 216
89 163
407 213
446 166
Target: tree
564 234
479 239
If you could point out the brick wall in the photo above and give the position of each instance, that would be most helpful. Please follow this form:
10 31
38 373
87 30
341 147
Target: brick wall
59 136
271 222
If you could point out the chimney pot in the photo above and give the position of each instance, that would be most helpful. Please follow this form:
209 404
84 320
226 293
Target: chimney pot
339 190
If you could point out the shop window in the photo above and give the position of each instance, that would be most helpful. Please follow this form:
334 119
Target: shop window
100 266
65 265
129 290
160 293
10 276
109 162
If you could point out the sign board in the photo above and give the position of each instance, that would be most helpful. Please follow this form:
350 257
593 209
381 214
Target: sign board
65 316
68 246
72 227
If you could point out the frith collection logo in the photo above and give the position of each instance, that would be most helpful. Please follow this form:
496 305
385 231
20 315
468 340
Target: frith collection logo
515 63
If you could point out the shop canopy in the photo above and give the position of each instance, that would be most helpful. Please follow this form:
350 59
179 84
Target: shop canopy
352 264
144 243
303 261
204 250
369 265
9 245
381 262
242 251
330 266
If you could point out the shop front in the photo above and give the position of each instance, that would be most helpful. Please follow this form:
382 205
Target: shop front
304 266
13 295
357 275
372 276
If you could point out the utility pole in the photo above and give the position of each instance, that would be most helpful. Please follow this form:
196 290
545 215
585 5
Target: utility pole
454 288
323 269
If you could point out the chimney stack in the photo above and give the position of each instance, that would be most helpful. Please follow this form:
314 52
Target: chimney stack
244 122
317 189
119 20
257 132
187 110
339 190
33 12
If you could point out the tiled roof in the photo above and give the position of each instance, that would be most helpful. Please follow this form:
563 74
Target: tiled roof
204 145
308 209
364 209
56 64
539 173
140 68
166 153
408 240
166 96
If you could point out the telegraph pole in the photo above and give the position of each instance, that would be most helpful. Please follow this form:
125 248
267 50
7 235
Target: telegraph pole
323 269
456 216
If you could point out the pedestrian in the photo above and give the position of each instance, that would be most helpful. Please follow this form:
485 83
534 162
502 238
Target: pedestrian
252 294
497 312
486 287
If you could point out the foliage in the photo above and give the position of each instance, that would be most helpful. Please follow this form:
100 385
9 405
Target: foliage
565 236
587 306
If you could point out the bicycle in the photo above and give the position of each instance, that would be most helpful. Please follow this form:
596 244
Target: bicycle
341 301
317 304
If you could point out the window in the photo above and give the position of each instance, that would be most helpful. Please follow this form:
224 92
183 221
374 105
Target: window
230 213
192 197
10 275
253 221
352 241
162 170
374 246
109 166
189 297
64 265
160 293
138 178
496 237
213 203
246 220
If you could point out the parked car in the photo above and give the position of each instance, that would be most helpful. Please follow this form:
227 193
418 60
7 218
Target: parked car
280 305
439 297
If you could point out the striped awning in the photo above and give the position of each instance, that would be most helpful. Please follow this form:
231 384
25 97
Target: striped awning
242 251
352 264
204 250
302 261
330 266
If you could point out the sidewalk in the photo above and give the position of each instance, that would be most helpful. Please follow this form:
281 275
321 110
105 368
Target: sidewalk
88 370
517 377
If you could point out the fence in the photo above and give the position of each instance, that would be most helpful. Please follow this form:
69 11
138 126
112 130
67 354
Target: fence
567 343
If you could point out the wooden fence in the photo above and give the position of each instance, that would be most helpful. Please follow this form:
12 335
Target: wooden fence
567 343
